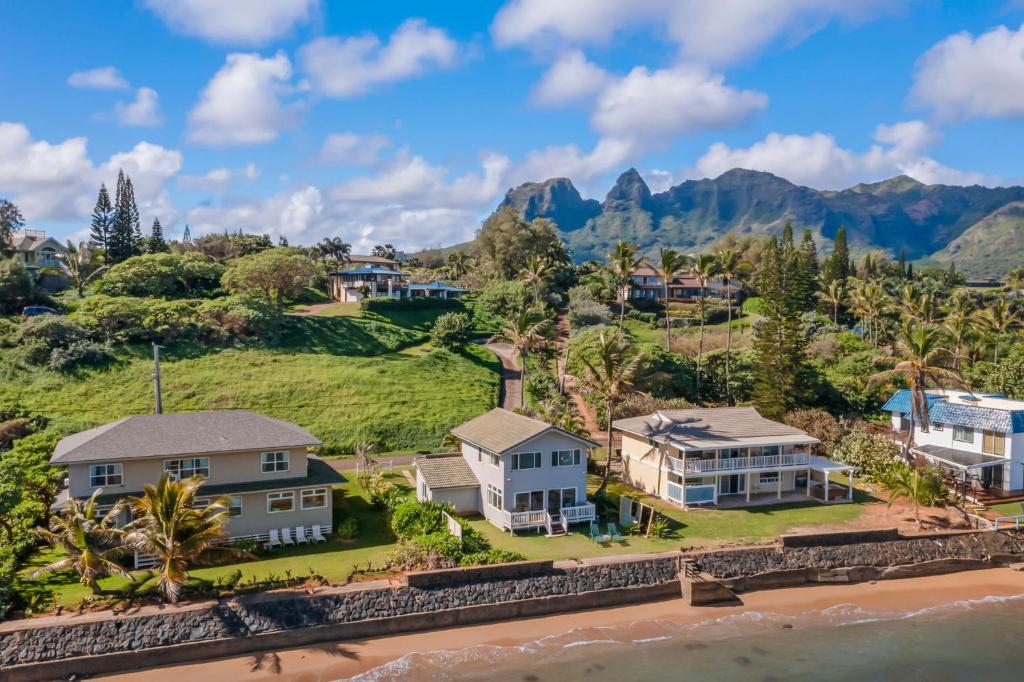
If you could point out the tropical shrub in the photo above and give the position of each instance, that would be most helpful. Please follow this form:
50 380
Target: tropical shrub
412 518
641 316
79 354
348 529
585 311
53 331
505 297
869 452
274 274
387 303
163 275
240 318
491 556
819 424
16 288
452 331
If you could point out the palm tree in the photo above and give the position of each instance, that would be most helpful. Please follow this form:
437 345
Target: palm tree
834 296
92 542
670 263
562 412
527 330
1001 317
871 303
704 267
458 264
920 488
728 265
171 526
622 262
536 270
334 249
1015 282
367 463
920 360
79 265
611 375
961 324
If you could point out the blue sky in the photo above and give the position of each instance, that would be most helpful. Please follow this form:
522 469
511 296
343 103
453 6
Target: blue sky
407 122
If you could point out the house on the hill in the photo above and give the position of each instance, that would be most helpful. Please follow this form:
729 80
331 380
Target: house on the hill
262 464
726 456
41 257
367 277
519 472
647 284
976 438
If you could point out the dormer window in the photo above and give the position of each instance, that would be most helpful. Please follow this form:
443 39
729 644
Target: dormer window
274 462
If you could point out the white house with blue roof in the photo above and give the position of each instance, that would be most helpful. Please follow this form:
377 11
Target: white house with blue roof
979 437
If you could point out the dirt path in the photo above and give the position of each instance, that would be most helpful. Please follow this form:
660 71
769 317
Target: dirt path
511 375
568 382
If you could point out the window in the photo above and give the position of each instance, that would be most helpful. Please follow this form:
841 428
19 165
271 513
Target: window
568 497
315 498
104 474
235 505
273 462
494 459
963 434
937 426
187 468
564 458
494 497
423 491
993 443
525 460
770 450
769 477
532 500
280 502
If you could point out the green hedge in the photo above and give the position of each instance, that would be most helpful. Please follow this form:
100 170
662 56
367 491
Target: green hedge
387 303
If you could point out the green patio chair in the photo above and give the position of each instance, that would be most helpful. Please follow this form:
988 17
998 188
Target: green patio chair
613 532
597 536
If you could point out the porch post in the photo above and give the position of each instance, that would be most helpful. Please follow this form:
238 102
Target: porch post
826 486
748 486
849 491
808 483
779 491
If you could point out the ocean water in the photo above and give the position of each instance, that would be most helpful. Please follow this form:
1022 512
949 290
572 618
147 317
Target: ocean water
971 641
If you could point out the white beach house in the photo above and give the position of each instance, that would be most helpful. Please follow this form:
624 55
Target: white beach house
726 456
977 438
519 472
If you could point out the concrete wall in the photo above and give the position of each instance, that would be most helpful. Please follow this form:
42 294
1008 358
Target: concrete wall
225 467
61 645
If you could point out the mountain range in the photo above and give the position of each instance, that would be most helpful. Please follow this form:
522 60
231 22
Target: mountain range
977 228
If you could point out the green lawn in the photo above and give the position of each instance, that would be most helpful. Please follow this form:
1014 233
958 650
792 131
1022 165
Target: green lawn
334 559
645 333
1006 509
345 379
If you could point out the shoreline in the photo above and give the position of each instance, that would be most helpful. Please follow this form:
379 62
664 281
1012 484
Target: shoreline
340 660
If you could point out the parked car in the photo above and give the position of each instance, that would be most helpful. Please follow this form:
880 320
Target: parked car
34 310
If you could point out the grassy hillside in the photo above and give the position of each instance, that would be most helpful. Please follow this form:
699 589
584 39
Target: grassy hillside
991 246
346 379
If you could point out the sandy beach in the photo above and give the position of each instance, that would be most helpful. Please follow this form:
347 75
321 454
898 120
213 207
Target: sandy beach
340 660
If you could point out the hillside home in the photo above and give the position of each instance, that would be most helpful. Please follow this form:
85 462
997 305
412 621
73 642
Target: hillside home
726 456
520 473
977 438
646 284
261 463
367 277
435 289
35 250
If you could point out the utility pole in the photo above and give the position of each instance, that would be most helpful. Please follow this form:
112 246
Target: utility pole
156 378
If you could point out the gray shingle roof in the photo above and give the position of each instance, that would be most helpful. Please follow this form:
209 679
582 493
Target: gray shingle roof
181 433
500 430
715 427
449 470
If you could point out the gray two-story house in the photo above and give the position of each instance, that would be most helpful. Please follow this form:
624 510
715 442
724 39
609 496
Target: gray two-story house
262 464
519 472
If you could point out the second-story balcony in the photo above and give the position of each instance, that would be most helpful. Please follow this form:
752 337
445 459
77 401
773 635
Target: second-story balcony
734 464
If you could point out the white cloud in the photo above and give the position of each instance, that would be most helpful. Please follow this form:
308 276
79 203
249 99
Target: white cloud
352 148
142 111
345 67
235 22
963 77
569 161
571 78
818 161
667 102
710 32
296 215
102 78
241 105
220 180
58 181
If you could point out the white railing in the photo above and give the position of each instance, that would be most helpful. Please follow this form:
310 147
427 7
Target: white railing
579 513
675 492
675 464
387 465
696 466
527 519
149 560
1015 520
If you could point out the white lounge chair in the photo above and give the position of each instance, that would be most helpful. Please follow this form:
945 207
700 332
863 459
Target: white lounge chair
300 535
286 536
317 535
274 541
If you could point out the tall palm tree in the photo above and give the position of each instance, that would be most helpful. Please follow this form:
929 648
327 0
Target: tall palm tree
367 462
622 262
527 330
961 324
871 303
728 268
611 375
534 274
458 264
92 542
1000 318
670 264
919 359
79 265
704 267
171 526
1015 282
834 296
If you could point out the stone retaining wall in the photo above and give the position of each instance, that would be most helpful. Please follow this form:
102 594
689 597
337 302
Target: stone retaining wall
985 547
256 615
